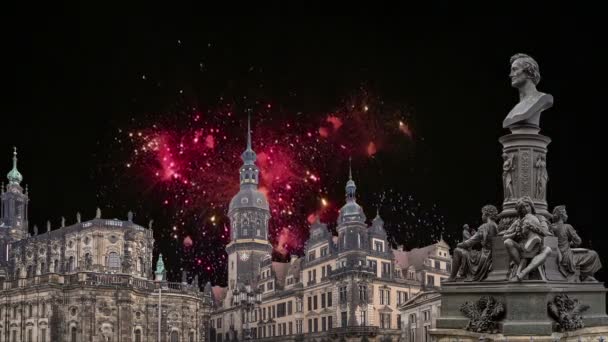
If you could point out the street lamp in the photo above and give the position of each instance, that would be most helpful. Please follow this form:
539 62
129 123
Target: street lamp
247 298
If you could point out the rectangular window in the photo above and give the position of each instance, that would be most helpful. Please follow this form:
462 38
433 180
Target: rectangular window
437 265
289 307
386 269
399 322
299 326
430 280
385 297
314 302
316 322
42 335
363 292
273 312
322 300
290 328
219 323
378 246
427 336
274 330
311 255
427 315
309 303
342 294
363 318
281 309
329 322
309 325
270 285
343 318
263 314
314 276
329 299
385 321
401 297
309 276
324 251
323 323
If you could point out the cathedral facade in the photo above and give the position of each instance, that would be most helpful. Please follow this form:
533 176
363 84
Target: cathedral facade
88 281
345 287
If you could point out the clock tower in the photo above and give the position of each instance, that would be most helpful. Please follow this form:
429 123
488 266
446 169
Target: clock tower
249 214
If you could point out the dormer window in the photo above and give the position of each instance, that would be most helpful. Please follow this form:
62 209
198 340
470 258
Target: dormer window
312 255
379 246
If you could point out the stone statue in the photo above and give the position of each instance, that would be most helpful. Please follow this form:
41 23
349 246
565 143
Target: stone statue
466 232
184 277
62 221
541 176
571 259
98 213
48 226
524 240
150 224
130 216
35 230
88 261
160 268
78 218
474 255
508 167
525 75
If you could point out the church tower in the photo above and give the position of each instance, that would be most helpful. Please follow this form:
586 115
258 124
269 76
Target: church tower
14 202
249 214
13 213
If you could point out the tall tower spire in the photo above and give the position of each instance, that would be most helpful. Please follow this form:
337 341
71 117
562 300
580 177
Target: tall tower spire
249 131
14 176
351 188
249 171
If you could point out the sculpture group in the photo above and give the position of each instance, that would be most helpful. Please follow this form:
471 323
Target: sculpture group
521 228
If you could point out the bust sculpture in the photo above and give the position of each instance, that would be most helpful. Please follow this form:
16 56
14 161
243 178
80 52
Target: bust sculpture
525 75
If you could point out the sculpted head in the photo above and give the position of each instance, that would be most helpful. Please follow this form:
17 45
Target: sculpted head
523 69
525 206
489 212
559 212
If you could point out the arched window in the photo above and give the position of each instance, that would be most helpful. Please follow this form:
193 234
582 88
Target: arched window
244 231
56 266
113 261
43 310
137 335
42 268
73 335
30 311
174 336
142 266
191 339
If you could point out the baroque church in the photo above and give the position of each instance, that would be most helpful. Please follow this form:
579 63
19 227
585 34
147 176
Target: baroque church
346 287
91 280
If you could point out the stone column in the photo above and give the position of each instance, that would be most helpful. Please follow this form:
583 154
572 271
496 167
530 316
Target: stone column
524 170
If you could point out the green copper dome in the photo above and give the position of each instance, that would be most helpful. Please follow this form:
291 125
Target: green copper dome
14 176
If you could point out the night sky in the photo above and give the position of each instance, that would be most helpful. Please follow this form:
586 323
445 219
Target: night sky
150 115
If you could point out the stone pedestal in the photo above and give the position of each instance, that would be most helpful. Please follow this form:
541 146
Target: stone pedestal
525 304
594 334
527 175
